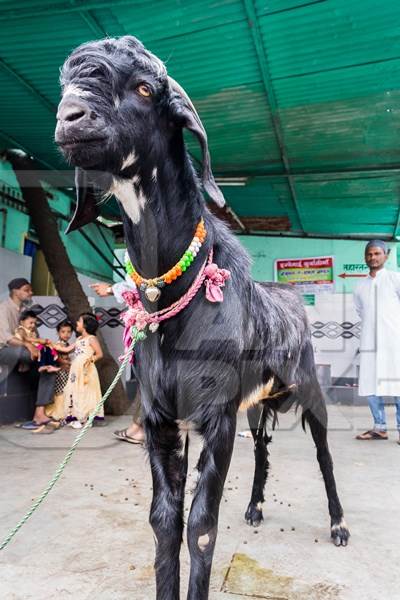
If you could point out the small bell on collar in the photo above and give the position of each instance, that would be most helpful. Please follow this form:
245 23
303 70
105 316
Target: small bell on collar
152 293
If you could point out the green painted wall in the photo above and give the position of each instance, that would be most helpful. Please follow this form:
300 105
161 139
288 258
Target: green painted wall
82 255
264 251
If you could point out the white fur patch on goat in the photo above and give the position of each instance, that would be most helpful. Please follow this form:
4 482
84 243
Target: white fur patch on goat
186 428
183 435
75 90
117 101
203 542
339 525
263 392
154 174
131 197
129 160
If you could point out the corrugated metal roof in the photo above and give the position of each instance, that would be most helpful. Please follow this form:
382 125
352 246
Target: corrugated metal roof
322 77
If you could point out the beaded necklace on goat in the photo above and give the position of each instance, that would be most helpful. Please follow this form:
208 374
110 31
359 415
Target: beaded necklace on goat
152 287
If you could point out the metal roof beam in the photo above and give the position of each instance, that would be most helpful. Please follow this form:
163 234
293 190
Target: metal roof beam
66 8
89 19
363 172
61 175
314 236
17 144
93 24
269 92
31 88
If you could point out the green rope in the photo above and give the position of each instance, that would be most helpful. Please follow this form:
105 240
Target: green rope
136 337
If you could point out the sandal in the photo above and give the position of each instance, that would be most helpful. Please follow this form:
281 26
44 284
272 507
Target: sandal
372 435
44 429
32 425
122 435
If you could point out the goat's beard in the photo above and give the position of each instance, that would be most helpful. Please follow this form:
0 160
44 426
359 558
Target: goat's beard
86 156
84 160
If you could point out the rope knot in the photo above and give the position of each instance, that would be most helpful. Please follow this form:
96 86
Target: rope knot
135 319
215 280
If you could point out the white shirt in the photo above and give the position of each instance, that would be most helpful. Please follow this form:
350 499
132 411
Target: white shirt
377 302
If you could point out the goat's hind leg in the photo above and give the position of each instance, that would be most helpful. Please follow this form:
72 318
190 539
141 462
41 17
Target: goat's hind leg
317 418
168 460
257 422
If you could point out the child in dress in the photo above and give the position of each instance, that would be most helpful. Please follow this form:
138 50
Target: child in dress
65 350
82 392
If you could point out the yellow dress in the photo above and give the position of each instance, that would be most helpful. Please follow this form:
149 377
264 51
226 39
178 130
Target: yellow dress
82 391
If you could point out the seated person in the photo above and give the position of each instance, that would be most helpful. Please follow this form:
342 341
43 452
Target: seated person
49 351
14 351
27 332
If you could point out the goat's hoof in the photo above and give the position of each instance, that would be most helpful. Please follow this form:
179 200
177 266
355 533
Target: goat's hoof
340 533
253 515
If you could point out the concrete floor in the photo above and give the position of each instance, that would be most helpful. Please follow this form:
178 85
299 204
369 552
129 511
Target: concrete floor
91 540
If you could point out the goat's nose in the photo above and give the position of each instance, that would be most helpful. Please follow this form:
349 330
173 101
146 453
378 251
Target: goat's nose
72 110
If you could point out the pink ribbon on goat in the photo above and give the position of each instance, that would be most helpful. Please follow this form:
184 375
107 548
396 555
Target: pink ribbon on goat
215 280
136 315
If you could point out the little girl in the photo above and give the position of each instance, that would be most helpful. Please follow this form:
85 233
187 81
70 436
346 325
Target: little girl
65 350
82 392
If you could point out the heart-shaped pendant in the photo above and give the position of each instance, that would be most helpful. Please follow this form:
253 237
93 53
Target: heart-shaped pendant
152 293
153 327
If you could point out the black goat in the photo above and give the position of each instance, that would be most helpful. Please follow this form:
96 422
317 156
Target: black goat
120 122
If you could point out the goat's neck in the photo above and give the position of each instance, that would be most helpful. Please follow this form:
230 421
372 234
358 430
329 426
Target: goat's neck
172 206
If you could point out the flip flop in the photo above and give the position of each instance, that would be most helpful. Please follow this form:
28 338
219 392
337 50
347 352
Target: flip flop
31 425
372 435
25 425
122 435
44 429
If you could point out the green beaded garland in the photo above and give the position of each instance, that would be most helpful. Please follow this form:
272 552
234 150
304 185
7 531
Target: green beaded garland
185 262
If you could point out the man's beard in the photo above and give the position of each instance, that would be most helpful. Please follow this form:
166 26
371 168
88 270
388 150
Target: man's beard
27 303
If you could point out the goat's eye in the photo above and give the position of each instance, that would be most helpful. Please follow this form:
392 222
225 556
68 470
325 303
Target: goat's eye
144 90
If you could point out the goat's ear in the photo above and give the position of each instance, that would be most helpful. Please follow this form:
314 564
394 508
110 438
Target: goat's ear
188 116
86 209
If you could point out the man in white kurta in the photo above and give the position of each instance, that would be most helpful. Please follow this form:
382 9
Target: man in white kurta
377 301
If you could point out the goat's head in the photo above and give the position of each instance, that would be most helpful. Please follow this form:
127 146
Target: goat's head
119 108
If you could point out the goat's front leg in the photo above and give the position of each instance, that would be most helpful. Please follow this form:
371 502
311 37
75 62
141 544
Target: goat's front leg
168 460
218 436
257 421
